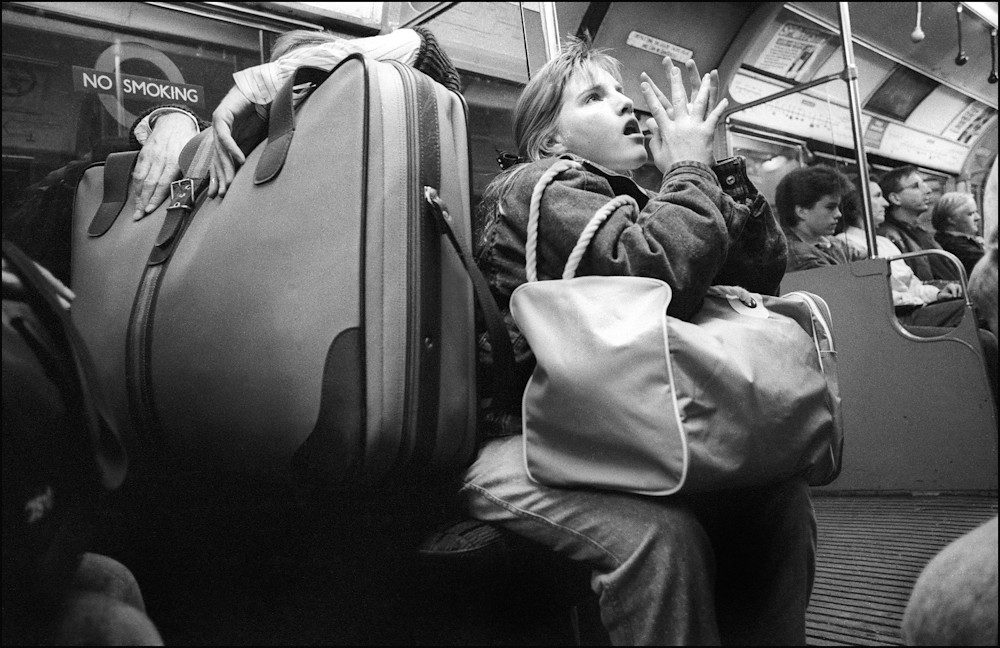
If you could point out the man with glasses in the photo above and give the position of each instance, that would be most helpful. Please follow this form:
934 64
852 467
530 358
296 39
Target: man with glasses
908 195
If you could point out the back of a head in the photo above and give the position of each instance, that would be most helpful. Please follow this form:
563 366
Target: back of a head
804 187
850 208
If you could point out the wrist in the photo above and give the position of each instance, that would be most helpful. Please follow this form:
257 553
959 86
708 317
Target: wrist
175 121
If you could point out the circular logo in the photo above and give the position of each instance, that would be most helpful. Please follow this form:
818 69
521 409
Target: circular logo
110 61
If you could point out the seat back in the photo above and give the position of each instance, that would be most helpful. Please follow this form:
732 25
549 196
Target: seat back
919 414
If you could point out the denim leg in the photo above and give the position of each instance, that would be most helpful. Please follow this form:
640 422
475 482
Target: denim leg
655 559
765 544
654 567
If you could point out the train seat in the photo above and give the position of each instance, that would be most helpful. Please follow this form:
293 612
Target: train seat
904 429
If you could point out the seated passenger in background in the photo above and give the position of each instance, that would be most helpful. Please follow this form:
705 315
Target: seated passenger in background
908 197
808 205
916 302
954 602
956 223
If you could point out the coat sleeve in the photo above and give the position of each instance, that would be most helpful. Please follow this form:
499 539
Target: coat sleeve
679 236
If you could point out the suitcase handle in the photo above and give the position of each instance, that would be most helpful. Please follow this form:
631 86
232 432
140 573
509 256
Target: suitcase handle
117 178
281 124
503 351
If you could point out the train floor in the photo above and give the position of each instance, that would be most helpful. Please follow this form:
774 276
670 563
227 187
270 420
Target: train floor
871 551
251 564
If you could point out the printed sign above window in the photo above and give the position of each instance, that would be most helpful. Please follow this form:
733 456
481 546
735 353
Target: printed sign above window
796 51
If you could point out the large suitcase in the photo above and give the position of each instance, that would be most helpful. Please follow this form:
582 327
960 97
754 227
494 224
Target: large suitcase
315 316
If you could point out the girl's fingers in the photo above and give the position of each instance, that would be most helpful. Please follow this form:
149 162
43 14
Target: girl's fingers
712 120
713 89
654 140
700 102
678 96
668 67
657 93
656 109
694 79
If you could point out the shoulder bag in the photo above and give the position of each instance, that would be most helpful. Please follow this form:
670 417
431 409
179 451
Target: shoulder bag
626 397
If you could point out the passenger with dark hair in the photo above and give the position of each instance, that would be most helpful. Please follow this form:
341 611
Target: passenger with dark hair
956 223
808 205
908 195
708 568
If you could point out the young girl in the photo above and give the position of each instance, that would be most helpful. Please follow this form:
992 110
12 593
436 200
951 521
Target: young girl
736 566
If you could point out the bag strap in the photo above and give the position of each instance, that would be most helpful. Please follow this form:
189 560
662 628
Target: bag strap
503 351
591 229
819 319
602 214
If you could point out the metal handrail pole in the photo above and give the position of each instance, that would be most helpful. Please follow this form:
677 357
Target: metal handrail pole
550 29
783 93
851 77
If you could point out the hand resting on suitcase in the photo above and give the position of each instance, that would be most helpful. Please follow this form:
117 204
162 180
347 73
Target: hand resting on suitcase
227 156
156 166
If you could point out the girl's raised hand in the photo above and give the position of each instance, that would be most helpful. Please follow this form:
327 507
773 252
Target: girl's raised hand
682 130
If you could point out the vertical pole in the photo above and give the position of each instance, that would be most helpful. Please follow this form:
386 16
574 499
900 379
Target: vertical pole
550 29
119 91
851 77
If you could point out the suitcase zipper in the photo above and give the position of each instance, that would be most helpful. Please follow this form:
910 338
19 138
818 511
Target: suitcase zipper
424 271
139 338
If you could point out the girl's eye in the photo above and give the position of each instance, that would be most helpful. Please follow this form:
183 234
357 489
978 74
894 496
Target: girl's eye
593 96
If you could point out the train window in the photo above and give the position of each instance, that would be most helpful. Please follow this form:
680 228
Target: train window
768 159
495 46
76 75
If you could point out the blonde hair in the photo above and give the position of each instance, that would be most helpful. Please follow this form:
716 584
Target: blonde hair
946 207
536 114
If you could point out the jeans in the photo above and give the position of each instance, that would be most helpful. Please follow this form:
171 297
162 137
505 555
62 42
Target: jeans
731 567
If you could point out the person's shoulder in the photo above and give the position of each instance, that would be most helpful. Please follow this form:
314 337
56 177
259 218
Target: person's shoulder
849 251
565 168
890 230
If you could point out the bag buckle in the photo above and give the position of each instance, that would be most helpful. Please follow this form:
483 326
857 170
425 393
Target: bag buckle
181 194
